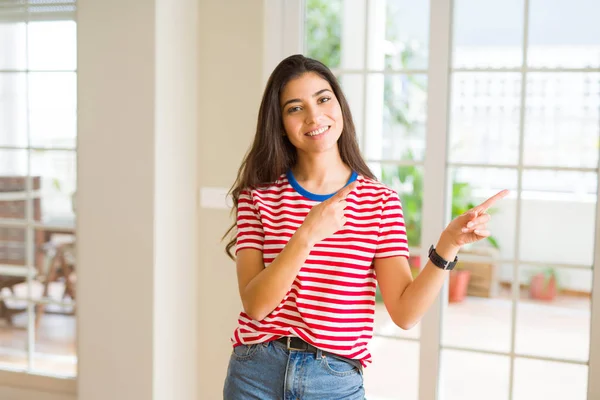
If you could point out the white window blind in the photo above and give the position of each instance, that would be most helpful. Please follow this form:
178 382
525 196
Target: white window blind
36 10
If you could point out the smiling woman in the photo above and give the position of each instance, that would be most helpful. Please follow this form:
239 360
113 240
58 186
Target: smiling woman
315 232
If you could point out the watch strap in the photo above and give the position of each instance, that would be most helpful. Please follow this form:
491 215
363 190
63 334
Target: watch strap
441 262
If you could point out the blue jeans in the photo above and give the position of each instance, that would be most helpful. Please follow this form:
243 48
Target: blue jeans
269 371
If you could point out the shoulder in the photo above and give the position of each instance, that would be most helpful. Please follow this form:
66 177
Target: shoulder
266 189
373 188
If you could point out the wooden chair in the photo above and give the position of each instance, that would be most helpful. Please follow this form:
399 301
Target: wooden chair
13 245
61 268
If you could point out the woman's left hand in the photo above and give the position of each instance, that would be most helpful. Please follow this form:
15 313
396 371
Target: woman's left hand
471 226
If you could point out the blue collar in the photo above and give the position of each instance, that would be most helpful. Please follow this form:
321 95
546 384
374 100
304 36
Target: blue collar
313 196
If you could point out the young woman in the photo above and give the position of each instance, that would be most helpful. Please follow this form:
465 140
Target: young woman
315 233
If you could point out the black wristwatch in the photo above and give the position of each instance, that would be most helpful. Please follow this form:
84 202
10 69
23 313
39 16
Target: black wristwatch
440 262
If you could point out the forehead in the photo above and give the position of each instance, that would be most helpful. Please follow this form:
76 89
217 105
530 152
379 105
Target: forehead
303 87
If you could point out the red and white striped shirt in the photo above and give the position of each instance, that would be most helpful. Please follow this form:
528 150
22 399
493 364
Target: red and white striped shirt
331 303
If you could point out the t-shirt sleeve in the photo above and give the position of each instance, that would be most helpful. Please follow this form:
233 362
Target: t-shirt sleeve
392 241
250 233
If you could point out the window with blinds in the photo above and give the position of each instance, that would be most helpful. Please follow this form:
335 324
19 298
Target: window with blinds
36 10
38 132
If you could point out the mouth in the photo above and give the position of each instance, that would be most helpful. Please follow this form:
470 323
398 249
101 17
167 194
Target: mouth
318 132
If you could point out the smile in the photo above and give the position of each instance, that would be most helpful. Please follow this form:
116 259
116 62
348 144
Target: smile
318 132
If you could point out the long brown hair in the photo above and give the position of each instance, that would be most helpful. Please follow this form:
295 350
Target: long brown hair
272 154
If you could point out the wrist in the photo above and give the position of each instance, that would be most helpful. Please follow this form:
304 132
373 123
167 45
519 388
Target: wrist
302 237
446 247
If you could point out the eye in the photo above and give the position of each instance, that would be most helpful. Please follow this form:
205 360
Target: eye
324 99
293 109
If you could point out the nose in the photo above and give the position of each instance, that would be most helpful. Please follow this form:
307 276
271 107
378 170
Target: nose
313 114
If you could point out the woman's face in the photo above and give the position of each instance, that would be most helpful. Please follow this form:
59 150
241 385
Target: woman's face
311 113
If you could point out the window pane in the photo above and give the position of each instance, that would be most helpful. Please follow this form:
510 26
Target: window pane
554 307
484 120
564 34
408 182
479 315
57 170
482 319
55 344
396 117
13 168
391 378
13 246
57 276
488 33
13 328
469 376
399 34
536 379
562 119
353 86
52 45
471 186
552 201
13 109
53 109
324 31
13 46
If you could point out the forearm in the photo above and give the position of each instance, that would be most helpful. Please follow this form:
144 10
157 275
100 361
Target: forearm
265 292
421 293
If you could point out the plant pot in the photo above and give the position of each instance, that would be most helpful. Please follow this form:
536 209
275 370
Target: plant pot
457 288
415 261
542 287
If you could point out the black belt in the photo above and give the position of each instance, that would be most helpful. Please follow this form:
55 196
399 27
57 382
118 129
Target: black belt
295 343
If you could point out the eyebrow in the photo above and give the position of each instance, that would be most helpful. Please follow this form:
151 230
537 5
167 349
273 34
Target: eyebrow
298 100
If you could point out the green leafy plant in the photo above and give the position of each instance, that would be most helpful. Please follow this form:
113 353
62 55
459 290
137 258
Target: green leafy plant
411 178
324 31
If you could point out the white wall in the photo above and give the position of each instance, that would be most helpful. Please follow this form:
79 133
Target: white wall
137 206
230 86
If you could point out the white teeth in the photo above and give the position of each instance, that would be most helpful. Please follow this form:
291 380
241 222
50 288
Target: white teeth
318 131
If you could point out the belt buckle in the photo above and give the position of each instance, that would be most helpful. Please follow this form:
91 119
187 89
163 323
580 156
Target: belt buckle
289 347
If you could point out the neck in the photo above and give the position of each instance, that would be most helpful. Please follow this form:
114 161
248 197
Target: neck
321 169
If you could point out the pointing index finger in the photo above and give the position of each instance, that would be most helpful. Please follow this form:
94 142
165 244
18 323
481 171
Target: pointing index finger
345 191
490 202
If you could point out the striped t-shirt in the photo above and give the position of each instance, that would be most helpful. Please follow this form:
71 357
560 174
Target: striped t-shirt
331 303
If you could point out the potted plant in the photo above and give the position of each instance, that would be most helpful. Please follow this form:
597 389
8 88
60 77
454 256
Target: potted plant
458 283
543 285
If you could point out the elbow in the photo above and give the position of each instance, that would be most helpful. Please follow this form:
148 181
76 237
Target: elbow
254 312
407 326
255 315
405 323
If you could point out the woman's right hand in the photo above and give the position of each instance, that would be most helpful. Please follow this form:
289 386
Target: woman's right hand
327 217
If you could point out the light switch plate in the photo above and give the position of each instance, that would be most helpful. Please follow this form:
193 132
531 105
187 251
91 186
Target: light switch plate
215 197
